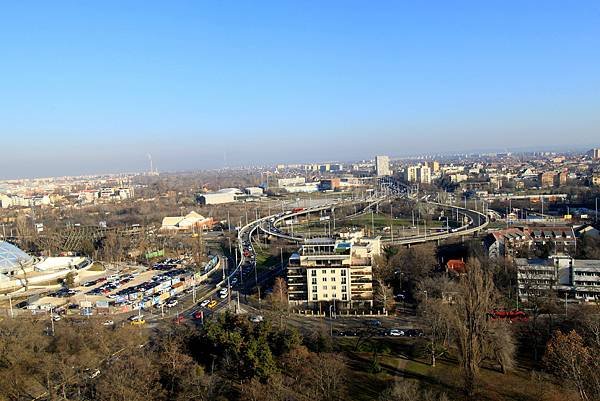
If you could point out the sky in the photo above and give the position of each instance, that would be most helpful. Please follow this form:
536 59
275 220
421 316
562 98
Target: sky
93 87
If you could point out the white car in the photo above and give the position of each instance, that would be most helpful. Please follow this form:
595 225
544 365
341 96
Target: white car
135 318
396 333
204 303
171 303
223 295
108 323
256 319
56 318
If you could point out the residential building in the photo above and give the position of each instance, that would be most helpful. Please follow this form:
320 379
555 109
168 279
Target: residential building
559 275
596 179
546 179
560 179
509 242
327 271
424 175
382 166
419 173
594 153
521 241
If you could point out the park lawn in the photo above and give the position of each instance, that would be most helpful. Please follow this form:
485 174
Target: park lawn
518 385
383 220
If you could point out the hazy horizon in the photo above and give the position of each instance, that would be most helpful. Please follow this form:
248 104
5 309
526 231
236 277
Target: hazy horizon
93 88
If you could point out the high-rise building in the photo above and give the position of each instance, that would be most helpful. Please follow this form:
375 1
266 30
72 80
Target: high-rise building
382 165
595 153
435 166
419 173
424 175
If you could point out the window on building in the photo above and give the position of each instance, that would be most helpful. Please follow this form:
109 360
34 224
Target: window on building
344 297
343 280
314 297
314 280
314 289
343 272
333 287
325 296
332 271
324 278
333 295
313 273
325 287
333 279
324 271
343 288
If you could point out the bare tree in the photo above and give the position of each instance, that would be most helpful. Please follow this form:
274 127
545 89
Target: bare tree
279 299
435 312
571 361
475 298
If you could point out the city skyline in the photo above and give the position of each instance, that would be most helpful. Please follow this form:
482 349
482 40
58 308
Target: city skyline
91 88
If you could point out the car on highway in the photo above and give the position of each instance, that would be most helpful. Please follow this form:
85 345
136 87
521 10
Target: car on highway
198 315
212 304
108 323
204 303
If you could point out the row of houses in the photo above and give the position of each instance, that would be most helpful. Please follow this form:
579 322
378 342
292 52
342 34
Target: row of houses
520 241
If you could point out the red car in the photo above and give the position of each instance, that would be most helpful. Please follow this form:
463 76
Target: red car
198 315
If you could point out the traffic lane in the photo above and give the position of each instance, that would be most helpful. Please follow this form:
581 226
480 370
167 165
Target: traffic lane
311 323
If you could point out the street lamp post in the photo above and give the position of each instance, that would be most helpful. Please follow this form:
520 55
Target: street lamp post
331 320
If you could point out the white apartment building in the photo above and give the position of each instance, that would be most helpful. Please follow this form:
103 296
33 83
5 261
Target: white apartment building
561 275
326 271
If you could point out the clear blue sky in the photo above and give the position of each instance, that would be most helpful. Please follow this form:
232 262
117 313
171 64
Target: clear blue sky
95 86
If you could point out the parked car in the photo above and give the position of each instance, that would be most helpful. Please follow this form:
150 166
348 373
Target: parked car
108 323
172 303
256 319
396 333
